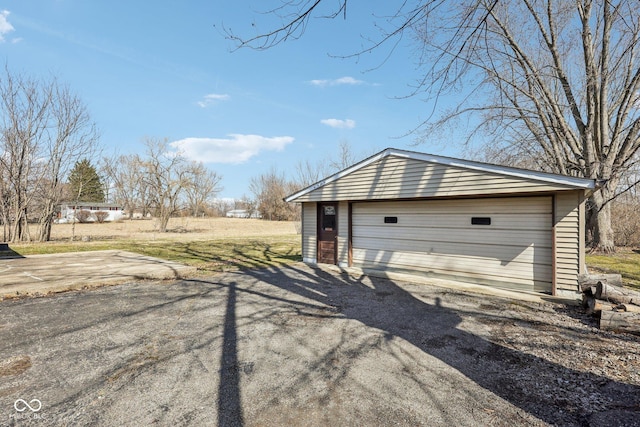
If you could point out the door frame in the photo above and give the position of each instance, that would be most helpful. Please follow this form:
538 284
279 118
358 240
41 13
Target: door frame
319 232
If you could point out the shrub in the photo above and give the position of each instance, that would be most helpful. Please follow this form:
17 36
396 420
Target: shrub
101 216
84 216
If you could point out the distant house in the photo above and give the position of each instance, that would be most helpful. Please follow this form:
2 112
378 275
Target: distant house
242 213
68 211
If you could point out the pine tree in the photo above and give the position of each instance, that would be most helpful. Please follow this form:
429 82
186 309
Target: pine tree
85 183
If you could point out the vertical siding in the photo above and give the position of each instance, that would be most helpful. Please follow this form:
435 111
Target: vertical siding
309 230
569 248
343 234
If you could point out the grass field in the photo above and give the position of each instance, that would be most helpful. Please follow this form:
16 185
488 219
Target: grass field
625 261
210 244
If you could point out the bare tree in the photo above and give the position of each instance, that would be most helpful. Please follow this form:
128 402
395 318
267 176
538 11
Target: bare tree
160 180
220 207
203 185
4 205
345 157
45 129
73 137
269 190
125 175
165 175
308 172
24 120
248 204
557 80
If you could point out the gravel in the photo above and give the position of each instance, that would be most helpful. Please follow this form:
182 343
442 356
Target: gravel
307 346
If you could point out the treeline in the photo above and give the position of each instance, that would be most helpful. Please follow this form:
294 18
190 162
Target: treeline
161 183
46 141
50 153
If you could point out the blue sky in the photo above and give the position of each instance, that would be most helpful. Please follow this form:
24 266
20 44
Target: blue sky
164 69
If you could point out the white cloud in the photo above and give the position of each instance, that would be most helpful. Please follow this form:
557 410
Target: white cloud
212 98
5 26
337 82
339 124
236 148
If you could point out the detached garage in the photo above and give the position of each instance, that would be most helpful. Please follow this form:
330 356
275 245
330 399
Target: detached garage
415 213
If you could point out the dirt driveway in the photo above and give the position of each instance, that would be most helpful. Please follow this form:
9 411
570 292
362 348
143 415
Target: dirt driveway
307 346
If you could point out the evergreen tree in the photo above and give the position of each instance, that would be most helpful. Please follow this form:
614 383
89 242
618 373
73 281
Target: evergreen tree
84 182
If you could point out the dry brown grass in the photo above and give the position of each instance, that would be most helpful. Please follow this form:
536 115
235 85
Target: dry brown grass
179 229
209 244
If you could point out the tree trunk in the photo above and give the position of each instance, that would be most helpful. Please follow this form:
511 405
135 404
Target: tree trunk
600 223
163 220
617 294
20 232
45 228
5 228
46 221
591 305
628 307
620 321
588 281
44 232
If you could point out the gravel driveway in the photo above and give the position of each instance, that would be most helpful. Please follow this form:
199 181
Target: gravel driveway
308 346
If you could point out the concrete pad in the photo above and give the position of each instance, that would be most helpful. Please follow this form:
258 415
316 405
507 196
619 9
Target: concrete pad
42 274
529 296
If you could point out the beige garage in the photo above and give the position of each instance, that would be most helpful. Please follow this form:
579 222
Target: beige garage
436 216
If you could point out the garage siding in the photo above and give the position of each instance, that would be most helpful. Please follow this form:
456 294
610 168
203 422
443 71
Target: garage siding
437 238
343 234
569 243
403 178
309 230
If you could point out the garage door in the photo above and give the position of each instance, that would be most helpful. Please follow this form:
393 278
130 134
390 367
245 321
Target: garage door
504 242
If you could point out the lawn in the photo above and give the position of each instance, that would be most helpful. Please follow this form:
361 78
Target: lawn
208 256
211 245
625 261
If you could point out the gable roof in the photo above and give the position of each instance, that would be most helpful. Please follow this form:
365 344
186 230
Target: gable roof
554 180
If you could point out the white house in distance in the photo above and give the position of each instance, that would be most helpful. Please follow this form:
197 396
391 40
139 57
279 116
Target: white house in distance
242 213
68 211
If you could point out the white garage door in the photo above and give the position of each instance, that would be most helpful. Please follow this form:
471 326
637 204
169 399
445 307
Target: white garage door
499 241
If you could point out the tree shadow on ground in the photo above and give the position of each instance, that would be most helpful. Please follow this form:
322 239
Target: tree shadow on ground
435 330
193 320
